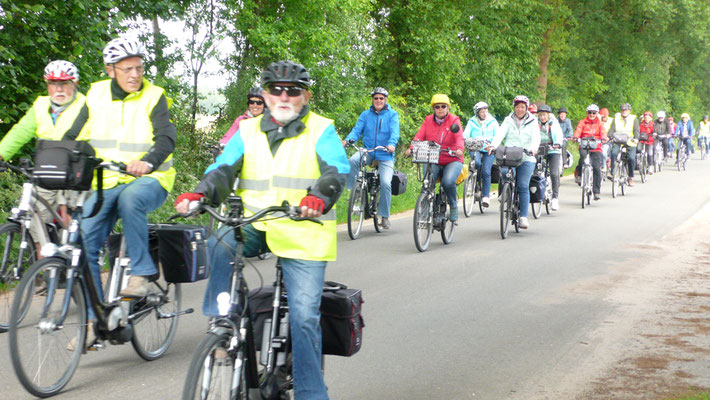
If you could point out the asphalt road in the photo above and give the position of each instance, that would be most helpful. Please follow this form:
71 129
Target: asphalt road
480 318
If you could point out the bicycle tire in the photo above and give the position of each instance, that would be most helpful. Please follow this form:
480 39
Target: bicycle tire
152 333
624 179
547 206
422 222
447 228
30 345
374 205
10 237
220 372
536 209
506 206
642 168
469 193
356 210
616 180
516 213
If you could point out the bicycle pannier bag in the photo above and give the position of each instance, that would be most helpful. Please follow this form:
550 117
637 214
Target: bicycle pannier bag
64 164
587 144
495 173
113 246
621 138
509 156
183 252
537 188
399 183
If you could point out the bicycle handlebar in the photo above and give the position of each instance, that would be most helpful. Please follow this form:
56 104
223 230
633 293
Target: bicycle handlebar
293 212
24 170
351 143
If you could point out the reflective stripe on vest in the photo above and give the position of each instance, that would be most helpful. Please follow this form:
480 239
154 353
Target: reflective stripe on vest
122 130
46 128
268 180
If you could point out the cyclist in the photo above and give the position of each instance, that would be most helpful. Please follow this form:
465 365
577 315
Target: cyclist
287 153
255 106
647 126
377 126
551 133
567 131
684 131
520 128
592 127
662 127
703 132
437 127
48 118
625 123
482 125
606 121
671 143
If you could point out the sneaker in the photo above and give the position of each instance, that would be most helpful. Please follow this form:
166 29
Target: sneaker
578 180
385 223
524 222
631 182
137 287
90 337
454 214
596 196
555 204
485 202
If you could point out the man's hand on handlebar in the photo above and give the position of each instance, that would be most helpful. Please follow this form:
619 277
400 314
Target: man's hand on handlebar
138 168
312 206
182 203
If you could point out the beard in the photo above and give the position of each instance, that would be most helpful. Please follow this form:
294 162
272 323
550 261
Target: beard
283 115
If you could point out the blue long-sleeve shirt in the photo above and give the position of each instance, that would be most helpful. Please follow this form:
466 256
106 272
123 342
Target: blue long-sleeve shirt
377 129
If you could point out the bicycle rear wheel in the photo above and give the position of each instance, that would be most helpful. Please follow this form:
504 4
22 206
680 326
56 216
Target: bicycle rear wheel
536 209
356 210
423 221
506 207
153 326
374 205
211 371
41 347
469 193
11 238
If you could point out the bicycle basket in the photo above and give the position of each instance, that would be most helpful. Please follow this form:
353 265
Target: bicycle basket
643 136
507 156
425 152
475 144
621 138
588 144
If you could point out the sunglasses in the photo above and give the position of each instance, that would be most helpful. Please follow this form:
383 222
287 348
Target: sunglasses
257 102
291 91
378 98
440 106
591 112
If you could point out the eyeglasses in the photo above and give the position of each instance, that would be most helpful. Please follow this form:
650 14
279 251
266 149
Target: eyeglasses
440 106
291 91
591 112
60 84
128 70
378 98
257 102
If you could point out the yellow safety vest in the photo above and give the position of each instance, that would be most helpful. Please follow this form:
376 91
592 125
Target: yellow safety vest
267 180
626 127
46 128
121 130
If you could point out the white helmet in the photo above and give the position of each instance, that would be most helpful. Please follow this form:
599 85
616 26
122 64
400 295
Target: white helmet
60 70
661 114
479 106
593 108
120 48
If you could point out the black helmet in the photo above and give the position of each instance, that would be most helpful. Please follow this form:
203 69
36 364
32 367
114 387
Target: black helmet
255 92
285 71
562 110
544 108
625 106
380 90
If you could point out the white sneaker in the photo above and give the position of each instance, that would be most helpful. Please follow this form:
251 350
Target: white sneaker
523 222
485 202
555 204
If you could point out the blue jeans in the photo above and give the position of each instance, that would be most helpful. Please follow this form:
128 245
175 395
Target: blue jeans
688 143
485 161
304 283
386 170
630 155
523 173
449 173
131 202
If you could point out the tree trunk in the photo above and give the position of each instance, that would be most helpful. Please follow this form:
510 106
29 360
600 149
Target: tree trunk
158 43
544 62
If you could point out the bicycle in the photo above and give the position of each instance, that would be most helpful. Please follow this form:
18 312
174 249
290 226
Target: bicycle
52 324
621 168
703 145
658 156
641 159
225 364
587 144
472 187
509 200
542 170
365 195
431 211
682 161
19 251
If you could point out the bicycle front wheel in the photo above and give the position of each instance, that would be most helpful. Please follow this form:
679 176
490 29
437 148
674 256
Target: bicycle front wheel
11 268
154 320
506 207
356 210
212 370
624 179
447 230
642 168
423 222
469 193
616 180
45 349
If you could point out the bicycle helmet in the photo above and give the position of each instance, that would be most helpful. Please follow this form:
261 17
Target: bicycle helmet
60 70
521 99
285 72
380 90
440 98
648 113
661 114
625 106
593 108
120 48
255 92
684 115
562 110
532 108
604 111
544 108
479 106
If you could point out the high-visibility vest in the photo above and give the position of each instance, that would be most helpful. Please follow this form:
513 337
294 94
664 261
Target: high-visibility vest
626 127
48 129
267 180
121 130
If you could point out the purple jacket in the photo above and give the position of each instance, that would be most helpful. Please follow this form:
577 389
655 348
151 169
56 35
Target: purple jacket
234 128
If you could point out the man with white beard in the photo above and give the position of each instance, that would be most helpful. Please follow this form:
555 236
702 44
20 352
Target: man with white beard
288 153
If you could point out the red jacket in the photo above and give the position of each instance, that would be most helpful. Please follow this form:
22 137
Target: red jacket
591 127
647 128
442 134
